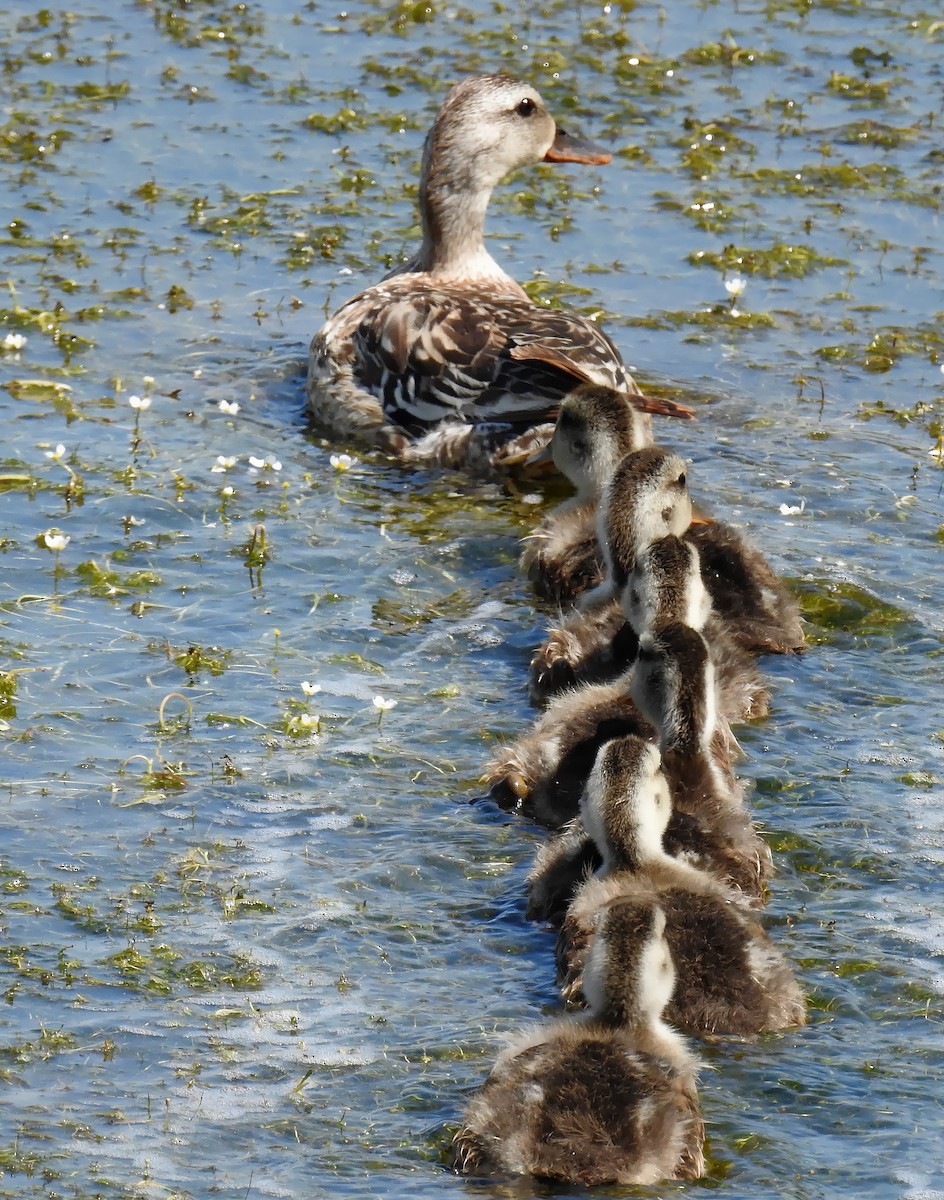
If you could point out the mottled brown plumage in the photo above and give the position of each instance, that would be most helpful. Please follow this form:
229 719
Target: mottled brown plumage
447 361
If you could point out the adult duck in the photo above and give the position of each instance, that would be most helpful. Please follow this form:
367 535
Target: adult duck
447 361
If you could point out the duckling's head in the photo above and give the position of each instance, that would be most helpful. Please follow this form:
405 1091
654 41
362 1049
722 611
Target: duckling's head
673 686
646 499
626 804
629 976
596 428
665 586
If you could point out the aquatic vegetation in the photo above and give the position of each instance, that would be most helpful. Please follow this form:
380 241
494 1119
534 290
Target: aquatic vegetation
212 867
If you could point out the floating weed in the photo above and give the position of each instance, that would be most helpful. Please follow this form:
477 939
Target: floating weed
874 91
821 179
719 316
8 683
834 606
198 659
794 260
163 778
175 724
16 1161
164 971
101 579
47 1045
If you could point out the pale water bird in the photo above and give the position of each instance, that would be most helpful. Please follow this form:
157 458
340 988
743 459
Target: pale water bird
589 1102
665 586
731 978
447 361
673 690
648 498
563 545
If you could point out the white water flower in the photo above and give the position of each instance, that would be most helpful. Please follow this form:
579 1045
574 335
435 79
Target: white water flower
310 689
140 402
56 455
269 463
230 407
223 463
383 705
303 723
735 286
792 510
14 342
56 541
229 491
342 462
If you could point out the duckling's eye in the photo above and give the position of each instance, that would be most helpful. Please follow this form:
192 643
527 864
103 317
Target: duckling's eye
525 107
680 482
517 785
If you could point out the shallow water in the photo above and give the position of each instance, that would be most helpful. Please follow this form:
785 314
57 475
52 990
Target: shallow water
242 957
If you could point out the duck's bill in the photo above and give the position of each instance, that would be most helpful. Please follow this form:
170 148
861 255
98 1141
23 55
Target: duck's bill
567 147
664 407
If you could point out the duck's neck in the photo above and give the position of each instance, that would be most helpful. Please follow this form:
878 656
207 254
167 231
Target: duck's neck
453 204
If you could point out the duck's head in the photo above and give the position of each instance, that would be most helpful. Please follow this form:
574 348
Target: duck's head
490 124
647 498
596 428
665 586
673 685
629 977
626 805
487 126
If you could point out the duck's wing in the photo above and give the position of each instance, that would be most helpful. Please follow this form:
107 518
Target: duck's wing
468 353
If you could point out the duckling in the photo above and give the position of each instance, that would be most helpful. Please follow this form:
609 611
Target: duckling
541 775
558 557
664 586
446 361
755 606
673 688
565 860
731 977
607 1100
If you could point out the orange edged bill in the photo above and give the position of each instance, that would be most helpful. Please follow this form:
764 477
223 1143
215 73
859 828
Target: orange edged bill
567 147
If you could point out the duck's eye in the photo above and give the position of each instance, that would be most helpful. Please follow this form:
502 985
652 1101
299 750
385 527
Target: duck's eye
680 482
525 107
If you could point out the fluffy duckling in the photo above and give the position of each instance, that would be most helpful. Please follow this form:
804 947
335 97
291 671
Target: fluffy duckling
589 1102
446 361
648 498
542 773
673 688
731 978
665 586
559 557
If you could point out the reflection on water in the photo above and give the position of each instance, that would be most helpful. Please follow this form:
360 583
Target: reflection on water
267 941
